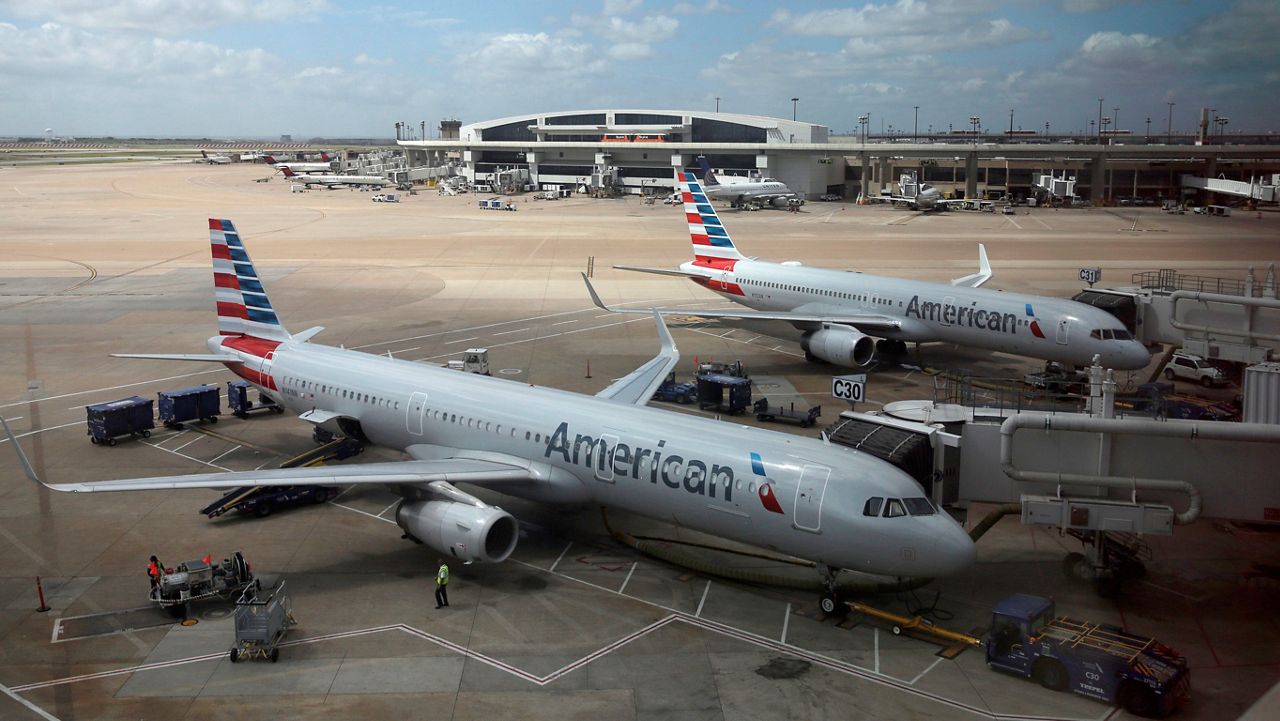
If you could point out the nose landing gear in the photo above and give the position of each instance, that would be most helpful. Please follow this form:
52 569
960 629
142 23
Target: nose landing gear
831 603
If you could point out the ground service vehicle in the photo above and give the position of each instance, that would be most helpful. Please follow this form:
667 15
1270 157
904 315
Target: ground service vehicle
1101 661
1193 368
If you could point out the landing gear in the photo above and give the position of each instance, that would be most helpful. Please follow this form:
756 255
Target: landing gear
831 603
894 348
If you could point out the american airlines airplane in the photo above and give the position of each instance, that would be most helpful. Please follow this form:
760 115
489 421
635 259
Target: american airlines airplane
740 191
323 167
333 181
836 506
842 312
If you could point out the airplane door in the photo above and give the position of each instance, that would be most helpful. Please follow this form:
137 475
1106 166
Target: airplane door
415 412
813 486
603 463
1064 325
265 368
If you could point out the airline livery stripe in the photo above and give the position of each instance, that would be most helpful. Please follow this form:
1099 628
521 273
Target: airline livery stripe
225 280
221 251
232 310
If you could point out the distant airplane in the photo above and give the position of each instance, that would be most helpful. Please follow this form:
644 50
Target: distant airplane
740 191
842 313
838 507
322 167
333 181
923 196
215 159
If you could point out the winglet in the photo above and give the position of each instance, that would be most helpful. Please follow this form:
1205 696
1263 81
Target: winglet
984 271
668 344
638 386
22 457
595 297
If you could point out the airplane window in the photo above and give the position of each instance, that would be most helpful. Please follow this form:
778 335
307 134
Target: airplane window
453 418
527 435
537 437
919 506
397 405
894 509
1123 335
872 508
751 488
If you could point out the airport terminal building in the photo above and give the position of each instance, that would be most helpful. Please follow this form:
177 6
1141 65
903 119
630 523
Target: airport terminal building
635 151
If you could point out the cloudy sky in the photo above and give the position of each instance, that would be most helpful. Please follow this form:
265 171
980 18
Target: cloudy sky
234 68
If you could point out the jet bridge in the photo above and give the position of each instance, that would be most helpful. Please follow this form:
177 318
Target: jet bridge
1254 190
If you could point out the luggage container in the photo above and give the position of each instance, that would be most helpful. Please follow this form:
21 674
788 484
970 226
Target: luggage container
189 404
240 404
131 417
262 620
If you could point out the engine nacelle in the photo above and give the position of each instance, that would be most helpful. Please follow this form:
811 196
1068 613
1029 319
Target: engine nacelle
841 345
466 532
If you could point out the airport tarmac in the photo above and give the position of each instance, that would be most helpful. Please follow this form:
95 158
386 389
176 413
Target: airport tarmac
114 258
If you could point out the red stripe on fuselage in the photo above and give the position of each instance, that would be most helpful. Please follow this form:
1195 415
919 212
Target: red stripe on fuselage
720 286
707 261
258 347
252 375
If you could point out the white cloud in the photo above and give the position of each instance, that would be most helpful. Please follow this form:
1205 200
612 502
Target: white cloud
938 25
621 7
706 8
365 59
419 19
624 38
318 71
513 56
167 17
630 51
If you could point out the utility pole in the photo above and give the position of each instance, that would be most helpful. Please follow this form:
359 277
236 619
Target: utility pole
1115 118
915 127
717 103
1169 131
793 107
1099 121
1011 123
1148 128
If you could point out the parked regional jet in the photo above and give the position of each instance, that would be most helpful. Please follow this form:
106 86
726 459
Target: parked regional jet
840 312
333 181
740 191
924 197
322 167
215 159
831 504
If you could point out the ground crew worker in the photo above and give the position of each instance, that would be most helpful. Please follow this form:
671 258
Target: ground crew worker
153 571
442 585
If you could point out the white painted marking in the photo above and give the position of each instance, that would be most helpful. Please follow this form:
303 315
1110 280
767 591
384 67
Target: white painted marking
404 350
112 388
875 634
557 563
1011 220
920 675
606 315
786 621
509 332
192 458
42 430
704 599
388 508
225 453
462 340
32 707
175 435
363 513
627 580
563 322
184 445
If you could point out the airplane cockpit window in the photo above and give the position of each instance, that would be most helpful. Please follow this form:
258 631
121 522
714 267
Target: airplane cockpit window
919 506
894 509
1122 335
873 506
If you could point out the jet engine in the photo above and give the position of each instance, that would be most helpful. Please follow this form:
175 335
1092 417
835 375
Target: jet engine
465 531
841 345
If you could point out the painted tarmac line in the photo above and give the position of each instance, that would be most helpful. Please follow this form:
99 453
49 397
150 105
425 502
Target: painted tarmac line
184 445
363 513
786 622
875 636
42 430
627 580
462 340
388 508
558 558
169 438
30 706
927 669
112 388
509 332
704 599
225 453
191 458
563 322
1011 220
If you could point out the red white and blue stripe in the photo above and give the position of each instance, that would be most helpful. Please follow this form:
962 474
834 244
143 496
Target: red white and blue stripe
712 246
243 306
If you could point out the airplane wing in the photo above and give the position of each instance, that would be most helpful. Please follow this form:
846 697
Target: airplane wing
201 357
660 271
637 387
428 471
865 322
973 280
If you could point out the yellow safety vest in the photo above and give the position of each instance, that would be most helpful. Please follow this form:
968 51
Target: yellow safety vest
442 576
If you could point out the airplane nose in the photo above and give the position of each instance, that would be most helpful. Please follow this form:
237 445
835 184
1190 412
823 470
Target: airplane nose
1134 357
953 551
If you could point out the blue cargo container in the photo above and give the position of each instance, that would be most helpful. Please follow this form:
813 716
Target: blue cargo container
239 403
190 404
131 416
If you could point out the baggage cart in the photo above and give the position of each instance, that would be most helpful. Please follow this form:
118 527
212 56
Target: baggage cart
240 404
262 620
189 404
805 418
131 417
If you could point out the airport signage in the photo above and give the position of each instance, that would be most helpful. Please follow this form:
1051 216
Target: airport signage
1091 275
852 388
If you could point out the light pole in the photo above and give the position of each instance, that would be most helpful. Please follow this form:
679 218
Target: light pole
1102 132
1011 123
862 126
793 107
915 126
717 103
1046 130
1099 121
1115 118
1169 130
1222 123
1148 129
974 120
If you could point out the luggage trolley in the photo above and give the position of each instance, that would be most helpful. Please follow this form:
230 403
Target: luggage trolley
261 622
126 417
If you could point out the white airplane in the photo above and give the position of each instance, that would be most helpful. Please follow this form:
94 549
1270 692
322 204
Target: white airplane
740 191
333 181
842 312
322 167
924 197
215 159
838 507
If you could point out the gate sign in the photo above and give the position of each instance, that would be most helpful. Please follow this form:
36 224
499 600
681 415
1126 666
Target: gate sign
1091 275
850 388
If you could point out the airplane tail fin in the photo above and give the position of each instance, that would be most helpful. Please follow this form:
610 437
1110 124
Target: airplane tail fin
204 155
325 157
708 176
243 306
270 159
287 172
712 246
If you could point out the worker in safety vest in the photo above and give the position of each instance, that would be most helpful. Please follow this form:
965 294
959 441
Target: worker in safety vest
153 571
442 585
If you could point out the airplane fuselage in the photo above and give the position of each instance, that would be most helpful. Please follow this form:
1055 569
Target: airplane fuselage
1036 326
796 495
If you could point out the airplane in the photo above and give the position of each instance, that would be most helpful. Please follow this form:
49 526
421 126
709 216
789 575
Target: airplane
740 191
842 313
924 197
332 181
324 167
836 506
215 159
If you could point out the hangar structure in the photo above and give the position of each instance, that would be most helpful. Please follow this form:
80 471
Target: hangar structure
635 151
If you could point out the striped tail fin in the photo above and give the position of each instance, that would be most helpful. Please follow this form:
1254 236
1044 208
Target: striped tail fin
712 246
243 306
